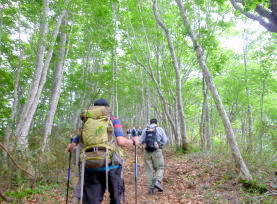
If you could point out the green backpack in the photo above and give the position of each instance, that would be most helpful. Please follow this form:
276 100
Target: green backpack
100 146
97 126
97 136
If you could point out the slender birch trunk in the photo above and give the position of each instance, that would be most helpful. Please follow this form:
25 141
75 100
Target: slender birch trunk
149 71
178 78
114 94
142 101
56 87
23 128
239 161
207 125
262 128
203 117
205 134
164 104
249 107
24 123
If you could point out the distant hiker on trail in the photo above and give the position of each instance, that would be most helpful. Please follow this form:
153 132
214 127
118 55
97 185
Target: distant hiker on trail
134 132
154 138
102 166
139 131
128 132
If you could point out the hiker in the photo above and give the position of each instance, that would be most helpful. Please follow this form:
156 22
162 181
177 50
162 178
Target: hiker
154 139
139 135
139 131
134 132
128 132
95 181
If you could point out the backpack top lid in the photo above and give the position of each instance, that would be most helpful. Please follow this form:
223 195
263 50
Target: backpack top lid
96 112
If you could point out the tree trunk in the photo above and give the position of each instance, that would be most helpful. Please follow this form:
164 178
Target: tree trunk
114 65
164 106
114 94
56 87
249 107
149 71
207 125
34 102
180 110
203 139
262 128
24 123
240 164
205 134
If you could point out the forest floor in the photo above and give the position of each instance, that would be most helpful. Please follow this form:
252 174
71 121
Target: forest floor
189 179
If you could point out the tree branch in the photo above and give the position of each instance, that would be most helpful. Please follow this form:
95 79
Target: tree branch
271 26
5 198
14 162
262 11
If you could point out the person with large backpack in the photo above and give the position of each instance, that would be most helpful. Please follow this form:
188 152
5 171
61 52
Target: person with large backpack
101 136
154 138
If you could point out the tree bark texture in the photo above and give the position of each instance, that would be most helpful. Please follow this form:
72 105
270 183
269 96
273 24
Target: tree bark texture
239 161
24 123
39 78
57 86
203 136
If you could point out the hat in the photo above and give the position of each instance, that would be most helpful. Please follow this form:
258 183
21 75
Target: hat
101 102
153 120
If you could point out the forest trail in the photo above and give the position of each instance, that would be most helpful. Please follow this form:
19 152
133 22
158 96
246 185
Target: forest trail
192 179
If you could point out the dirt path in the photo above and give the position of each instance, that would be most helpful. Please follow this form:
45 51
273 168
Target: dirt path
190 179
194 178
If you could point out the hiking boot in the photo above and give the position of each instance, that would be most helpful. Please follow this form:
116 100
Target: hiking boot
158 186
151 191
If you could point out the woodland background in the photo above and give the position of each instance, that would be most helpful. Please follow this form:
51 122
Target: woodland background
205 68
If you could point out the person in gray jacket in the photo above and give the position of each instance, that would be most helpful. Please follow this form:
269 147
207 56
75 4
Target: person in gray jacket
154 138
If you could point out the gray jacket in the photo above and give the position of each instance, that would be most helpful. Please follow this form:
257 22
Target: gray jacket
161 136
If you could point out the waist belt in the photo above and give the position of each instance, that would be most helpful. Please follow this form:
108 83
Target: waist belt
102 168
96 149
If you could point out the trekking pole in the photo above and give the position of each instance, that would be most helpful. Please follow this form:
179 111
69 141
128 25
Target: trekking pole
68 177
82 176
136 174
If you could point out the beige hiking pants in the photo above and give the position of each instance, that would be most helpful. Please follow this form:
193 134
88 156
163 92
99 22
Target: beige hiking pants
154 166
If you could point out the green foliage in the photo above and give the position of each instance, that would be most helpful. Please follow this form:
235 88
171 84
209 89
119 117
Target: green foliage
27 192
192 149
113 46
253 186
251 4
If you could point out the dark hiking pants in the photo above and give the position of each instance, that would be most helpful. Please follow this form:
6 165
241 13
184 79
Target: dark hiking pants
95 186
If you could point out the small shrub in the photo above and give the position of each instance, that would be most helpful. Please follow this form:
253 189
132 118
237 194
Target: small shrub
253 186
